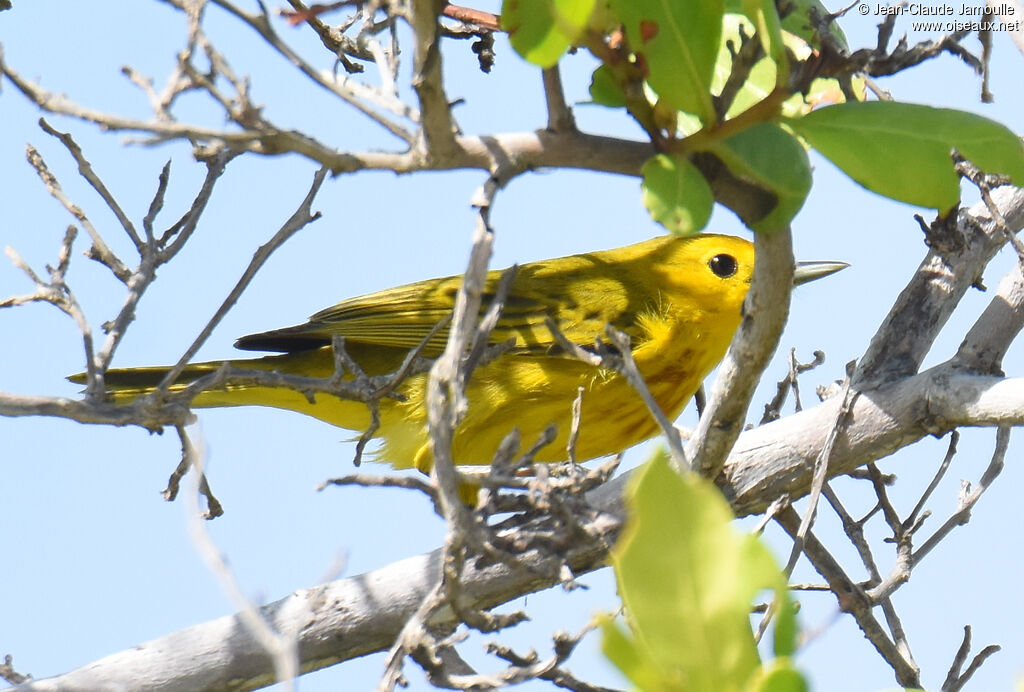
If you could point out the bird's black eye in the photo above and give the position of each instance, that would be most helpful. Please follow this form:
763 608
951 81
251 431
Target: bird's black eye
723 265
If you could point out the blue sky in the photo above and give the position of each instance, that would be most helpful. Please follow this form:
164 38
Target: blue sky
98 562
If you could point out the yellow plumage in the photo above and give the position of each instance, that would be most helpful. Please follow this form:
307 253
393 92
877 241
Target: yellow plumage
678 298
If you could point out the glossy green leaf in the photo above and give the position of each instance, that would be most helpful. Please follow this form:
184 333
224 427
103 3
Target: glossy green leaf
542 30
677 44
604 90
687 578
773 159
902 150
676 194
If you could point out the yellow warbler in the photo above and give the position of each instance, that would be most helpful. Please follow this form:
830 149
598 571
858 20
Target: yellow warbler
678 298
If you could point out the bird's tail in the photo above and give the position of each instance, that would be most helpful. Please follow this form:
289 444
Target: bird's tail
126 384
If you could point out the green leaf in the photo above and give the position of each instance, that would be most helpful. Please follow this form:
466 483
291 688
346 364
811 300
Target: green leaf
760 80
687 579
604 90
798 22
634 661
763 76
786 630
542 30
779 676
676 194
763 15
902 150
677 44
771 158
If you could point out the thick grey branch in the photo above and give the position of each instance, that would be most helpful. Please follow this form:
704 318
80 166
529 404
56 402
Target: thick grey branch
764 315
435 113
922 309
516 152
356 616
986 343
778 458
16 405
336 621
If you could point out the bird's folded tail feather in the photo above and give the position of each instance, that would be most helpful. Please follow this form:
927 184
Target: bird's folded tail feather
127 384
124 384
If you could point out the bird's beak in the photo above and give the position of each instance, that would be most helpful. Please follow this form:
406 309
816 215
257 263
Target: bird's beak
809 271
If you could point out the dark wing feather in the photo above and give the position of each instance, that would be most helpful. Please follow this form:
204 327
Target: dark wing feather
580 295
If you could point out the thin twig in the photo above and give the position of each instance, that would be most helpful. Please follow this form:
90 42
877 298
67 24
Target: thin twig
851 598
298 220
821 468
955 680
911 522
773 409
560 117
963 511
261 24
446 404
100 251
281 647
86 171
9 674
985 183
574 427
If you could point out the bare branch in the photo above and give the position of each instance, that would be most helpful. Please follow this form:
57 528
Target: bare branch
56 292
631 372
446 404
16 405
621 361
947 272
438 129
912 520
963 512
821 469
100 251
86 171
764 315
817 483
261 24
396 592
280 645
852 599
298 220
519 151
574 427
955 680
366 480
152 256
773 409
560 117
987 341
9 674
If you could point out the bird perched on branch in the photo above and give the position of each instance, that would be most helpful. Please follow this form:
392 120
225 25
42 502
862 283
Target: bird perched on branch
677 297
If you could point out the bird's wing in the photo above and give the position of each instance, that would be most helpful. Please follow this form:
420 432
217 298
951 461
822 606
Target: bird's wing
578 299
